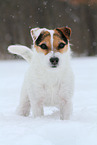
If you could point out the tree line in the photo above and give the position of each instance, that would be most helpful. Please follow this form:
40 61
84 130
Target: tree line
19 16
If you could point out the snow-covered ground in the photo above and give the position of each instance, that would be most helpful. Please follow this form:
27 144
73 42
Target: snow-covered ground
81 129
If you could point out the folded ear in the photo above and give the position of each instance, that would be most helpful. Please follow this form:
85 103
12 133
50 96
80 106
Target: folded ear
21 50
35 32
66 31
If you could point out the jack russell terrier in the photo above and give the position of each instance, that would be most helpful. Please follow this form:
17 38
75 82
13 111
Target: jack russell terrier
49 80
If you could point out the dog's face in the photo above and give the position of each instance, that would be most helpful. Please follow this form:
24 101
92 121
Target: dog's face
51 45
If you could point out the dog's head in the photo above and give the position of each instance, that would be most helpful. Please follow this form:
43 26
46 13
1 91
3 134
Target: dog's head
51 45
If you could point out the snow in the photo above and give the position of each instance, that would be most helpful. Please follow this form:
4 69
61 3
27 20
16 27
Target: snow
81 129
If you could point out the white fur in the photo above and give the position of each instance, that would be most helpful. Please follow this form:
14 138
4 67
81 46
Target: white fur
52 32
48 86
36 31
24 51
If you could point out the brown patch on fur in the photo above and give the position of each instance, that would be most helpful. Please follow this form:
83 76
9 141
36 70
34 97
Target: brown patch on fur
57 40
46 40
66 31
64 49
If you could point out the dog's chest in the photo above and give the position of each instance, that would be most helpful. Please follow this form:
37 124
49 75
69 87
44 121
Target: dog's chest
51 90
47 87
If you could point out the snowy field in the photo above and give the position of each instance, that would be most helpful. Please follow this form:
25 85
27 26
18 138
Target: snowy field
81 129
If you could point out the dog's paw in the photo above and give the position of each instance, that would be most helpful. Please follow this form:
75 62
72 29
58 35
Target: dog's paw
22 112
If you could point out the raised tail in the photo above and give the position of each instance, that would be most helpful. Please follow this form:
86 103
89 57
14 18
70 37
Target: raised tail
21 50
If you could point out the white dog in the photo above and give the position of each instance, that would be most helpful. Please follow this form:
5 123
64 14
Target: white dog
49 80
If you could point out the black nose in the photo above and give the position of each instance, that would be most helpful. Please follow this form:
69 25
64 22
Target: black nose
54 60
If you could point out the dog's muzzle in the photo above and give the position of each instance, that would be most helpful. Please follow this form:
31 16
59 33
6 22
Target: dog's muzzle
54 61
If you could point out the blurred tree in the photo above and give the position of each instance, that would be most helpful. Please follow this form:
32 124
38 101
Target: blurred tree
19 16
77 2
88 17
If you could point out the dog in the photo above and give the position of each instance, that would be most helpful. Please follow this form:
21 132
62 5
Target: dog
49 80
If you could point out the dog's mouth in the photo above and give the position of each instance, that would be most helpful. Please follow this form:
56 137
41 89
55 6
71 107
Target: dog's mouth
54 66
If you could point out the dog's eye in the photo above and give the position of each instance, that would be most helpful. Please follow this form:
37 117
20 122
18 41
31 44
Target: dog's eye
43 46
61 45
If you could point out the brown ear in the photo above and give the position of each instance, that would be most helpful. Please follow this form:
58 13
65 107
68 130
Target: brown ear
66 31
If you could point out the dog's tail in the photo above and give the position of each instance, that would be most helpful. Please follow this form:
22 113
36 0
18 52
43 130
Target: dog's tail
21 50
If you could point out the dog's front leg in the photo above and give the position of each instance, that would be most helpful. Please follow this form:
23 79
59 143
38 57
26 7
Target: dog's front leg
24 105
65 109
37 108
